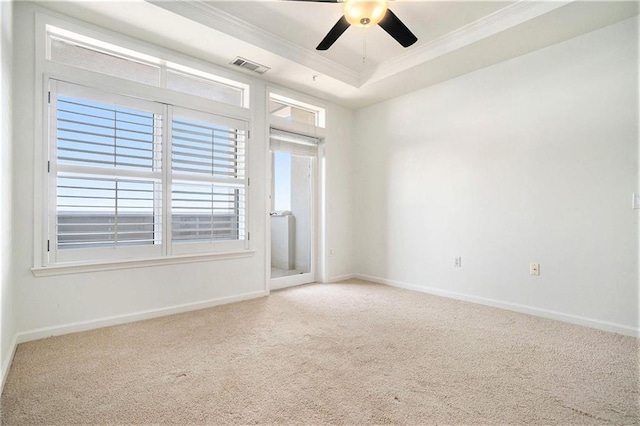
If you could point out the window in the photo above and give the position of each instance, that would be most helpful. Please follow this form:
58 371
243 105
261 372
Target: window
206 87
107 156
68 52
144 153
126 173
69 48
292 110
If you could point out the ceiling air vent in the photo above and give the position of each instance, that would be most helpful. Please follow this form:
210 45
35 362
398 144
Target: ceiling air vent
248 65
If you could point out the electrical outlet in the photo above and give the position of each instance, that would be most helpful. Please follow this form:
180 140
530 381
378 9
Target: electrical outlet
534 269
457 262
330 252
635 202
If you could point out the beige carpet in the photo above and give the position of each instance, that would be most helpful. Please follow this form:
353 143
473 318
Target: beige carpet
348 353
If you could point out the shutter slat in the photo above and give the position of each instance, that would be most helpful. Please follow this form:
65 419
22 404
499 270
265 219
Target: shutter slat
86 151
86 142
235 151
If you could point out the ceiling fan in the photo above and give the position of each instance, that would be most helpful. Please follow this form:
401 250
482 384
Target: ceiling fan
366 13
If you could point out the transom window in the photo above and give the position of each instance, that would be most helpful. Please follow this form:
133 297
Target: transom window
296 111
69 48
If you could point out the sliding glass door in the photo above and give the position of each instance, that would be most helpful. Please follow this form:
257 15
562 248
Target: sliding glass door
292 208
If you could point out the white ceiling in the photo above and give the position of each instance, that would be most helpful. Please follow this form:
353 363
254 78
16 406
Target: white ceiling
306 23
365 65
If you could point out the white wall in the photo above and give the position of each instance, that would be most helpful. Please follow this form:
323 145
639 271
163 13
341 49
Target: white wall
530 160
339 201
7 313
51 305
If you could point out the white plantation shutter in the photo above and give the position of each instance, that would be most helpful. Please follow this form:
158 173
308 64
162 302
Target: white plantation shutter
208 194
111 198
108 156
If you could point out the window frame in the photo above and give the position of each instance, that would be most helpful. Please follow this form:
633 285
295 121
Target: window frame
47 70
319 132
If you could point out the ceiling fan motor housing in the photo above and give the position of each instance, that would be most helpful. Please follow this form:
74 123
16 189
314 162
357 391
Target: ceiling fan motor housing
365 13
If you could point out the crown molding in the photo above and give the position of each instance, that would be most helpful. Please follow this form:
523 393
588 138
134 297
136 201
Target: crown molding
487 26
508 17
207 14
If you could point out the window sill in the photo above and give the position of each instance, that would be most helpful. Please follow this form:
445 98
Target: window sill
78 268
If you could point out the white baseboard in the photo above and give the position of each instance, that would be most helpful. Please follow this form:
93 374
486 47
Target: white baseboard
6 364
539 312
341 278
41 333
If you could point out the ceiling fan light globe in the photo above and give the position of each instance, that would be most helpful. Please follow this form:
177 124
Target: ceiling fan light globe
365 13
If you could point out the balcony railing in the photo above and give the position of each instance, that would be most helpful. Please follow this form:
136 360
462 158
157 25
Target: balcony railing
88 229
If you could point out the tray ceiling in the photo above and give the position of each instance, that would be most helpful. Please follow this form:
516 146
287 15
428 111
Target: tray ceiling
365 65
